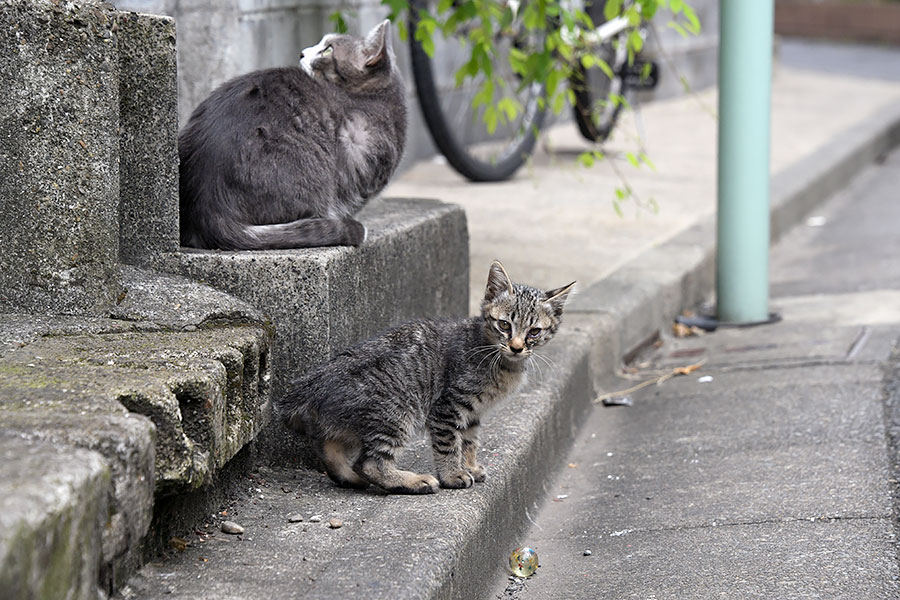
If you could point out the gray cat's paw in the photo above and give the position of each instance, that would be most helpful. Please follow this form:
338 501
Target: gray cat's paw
457 479
478 473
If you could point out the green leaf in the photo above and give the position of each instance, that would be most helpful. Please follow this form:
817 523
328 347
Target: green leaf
693 21
676 6
444 5
649 8
485 95
553 80
586 159
559 102
633 160
510 108
677 27
611 9
340 24
604 66
646 160
491 119
635 41
424 34
397 7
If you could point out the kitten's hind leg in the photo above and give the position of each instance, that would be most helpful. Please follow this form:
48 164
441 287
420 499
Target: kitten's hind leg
337 464
381 470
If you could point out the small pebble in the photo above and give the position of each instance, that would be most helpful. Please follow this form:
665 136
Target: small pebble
232 527
587 552
295 518
335 523
315 518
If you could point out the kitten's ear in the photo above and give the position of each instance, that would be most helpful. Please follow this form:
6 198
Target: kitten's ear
378 44
498 282
557 298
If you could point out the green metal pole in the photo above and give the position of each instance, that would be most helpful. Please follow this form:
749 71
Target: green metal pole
745 89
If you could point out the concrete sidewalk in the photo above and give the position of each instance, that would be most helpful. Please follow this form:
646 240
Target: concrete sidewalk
555 223
552 224
772 476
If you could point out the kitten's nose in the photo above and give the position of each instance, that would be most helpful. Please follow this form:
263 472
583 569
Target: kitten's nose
301 56
516 349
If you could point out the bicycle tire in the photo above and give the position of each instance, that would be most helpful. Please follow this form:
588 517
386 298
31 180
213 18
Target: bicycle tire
592 87
449 138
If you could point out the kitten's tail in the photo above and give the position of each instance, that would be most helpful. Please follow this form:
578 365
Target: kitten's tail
303 233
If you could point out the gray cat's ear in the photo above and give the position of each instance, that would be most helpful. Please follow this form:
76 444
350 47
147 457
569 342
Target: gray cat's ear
498 282
378 44
557 298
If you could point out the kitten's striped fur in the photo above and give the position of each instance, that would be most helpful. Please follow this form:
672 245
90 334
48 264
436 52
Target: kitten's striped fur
363 406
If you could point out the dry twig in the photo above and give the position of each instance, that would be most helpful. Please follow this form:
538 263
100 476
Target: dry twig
659 380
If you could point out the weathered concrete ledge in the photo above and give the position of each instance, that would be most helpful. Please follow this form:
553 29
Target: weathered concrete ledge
53 510
163 396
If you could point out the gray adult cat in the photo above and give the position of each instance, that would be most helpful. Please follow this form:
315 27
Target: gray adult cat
282 158
361 407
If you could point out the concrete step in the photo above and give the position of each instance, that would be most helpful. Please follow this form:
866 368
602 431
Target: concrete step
53 510
163 397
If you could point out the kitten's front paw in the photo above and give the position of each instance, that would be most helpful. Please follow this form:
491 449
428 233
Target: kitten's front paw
457 479
418 484
478 473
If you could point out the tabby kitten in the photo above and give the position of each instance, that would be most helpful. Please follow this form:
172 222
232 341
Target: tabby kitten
282 158
361 407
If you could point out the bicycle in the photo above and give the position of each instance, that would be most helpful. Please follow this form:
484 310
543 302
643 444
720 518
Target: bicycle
457 128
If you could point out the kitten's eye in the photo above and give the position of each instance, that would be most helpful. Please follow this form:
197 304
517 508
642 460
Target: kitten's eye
534 332
504 325
327 51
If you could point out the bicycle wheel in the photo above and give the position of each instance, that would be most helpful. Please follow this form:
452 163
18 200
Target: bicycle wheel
458 129
596 109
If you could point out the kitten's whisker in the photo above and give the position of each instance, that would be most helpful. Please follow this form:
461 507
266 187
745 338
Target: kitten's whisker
550 364
478 349
537 365
491 356
495 364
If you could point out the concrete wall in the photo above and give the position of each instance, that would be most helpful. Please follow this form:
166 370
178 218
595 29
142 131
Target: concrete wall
219 39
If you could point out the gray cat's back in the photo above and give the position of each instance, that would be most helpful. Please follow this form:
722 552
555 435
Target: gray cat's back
283 157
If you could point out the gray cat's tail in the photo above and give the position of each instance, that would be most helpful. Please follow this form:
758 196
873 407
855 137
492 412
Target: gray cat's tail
302 233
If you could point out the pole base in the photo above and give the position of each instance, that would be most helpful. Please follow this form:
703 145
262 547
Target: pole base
711 323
